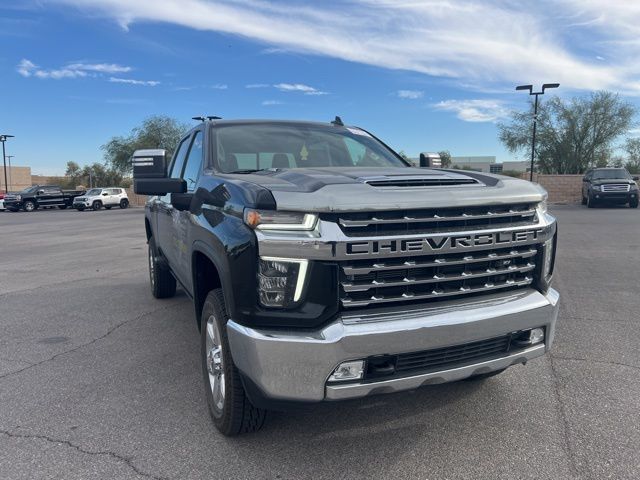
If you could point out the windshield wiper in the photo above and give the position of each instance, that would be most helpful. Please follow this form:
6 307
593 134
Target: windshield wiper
252 170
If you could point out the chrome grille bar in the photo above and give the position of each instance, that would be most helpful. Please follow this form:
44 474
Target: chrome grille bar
487 287
437 278
347 223
438 261
616 187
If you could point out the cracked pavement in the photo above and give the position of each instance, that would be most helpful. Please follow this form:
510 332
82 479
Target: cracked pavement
99 380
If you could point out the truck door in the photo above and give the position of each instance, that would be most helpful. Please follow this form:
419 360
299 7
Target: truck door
166 237
48 196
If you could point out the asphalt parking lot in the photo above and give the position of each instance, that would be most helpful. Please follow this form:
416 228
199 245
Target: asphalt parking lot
99 380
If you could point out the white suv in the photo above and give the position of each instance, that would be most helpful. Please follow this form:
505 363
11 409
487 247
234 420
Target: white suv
96 198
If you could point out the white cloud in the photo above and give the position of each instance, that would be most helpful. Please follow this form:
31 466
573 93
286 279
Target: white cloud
257 85
99 67
130 81
27 68
268 103
478 110
220 86
410 94
299 87
476 42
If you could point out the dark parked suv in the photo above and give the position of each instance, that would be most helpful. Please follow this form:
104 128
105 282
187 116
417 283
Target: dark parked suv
609 185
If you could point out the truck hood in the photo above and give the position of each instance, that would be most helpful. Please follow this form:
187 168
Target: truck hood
370 189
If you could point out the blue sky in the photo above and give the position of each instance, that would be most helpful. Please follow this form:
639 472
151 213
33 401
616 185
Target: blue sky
423 75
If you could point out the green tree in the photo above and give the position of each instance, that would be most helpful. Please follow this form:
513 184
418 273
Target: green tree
572 135
632 147
155 132
445 156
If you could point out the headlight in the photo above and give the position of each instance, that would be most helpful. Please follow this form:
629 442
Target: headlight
273 220
18 197
634 186
595 188
542 206
547 261
280 281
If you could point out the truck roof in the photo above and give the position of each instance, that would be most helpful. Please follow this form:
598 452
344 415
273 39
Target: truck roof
258 121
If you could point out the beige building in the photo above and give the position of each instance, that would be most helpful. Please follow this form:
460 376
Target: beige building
18 178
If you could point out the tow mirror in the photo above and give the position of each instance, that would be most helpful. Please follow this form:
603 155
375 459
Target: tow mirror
430 160
150 174
149 163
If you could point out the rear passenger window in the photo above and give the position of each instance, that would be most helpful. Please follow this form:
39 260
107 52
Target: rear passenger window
194 160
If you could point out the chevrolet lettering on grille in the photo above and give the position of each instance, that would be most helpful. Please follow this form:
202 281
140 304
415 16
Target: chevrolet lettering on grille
430 244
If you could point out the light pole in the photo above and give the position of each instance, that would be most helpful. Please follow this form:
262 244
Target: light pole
10 180
535 116
3 138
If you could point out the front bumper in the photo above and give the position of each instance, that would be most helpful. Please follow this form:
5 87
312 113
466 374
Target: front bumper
295 365
12 204
615 197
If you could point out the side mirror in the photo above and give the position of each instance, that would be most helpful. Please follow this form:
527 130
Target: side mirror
105 194
585 179
430 160
149 163
636 178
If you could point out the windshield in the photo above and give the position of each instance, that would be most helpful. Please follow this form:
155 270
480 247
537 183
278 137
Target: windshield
258 147
93 192
29 190
613 173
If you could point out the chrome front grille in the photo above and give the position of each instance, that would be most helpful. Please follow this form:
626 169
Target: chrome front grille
441 220
373 282
616 187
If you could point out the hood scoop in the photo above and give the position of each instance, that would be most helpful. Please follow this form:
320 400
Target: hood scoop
419 181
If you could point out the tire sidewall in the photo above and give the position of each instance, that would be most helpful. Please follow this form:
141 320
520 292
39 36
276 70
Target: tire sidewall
97 205
33 206
124 203
212 306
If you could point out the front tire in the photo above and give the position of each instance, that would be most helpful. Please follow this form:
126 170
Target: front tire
230 409
163 283
97 205
633 203
590 202
80 209
584 201
29 206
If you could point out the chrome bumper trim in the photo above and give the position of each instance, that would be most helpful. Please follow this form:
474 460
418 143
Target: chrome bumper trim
356 390
295 365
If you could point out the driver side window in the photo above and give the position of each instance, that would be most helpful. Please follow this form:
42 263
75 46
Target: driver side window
178 159
193 163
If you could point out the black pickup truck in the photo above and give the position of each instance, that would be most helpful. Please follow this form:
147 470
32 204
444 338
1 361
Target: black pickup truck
38 196
323 267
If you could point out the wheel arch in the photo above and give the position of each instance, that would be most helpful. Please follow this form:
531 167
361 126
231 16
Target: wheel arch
209 271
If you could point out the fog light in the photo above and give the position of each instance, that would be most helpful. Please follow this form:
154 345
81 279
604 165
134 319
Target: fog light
348 371
536 335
